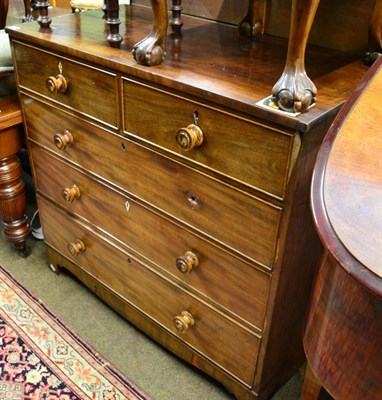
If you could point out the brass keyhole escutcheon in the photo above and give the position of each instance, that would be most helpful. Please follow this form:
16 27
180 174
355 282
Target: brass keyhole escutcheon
190 137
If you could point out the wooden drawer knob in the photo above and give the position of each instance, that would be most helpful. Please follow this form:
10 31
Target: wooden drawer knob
56 84
184 321
190 137
63 140
76 247
71 193
187 262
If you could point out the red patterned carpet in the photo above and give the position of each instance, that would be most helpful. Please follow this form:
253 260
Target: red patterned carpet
42 359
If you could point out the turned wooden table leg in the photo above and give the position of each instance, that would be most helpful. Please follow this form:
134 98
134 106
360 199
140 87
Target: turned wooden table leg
43 15
112 20
12 193
176 22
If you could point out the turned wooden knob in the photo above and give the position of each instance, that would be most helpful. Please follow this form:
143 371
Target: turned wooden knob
56 84
187 262
76 247
71 193
190 137
63 140
183 321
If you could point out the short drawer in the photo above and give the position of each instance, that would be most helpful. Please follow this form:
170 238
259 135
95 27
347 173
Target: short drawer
253 154
243 223
153 294
192 261
90 91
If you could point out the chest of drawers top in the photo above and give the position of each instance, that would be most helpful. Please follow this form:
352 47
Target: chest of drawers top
217 65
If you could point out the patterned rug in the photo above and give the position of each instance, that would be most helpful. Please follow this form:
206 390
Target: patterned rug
43 359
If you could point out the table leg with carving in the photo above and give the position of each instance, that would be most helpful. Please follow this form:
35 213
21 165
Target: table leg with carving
176 22
43 16
114 38
28 17
152 49
252 24
294 91
12 193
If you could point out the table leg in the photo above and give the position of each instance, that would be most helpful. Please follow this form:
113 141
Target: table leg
12 192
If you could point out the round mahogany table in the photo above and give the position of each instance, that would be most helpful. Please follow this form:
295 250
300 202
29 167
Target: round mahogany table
343 336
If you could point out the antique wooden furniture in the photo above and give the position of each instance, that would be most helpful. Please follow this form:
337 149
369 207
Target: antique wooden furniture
175 197
343 337
294 91
12 194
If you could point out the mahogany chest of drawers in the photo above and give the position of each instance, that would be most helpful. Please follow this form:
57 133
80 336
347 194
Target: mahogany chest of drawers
172 195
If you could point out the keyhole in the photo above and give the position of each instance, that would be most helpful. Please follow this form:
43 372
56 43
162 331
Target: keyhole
196 117
123 147
193 199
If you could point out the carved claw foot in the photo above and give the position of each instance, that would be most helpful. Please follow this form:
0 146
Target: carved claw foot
246 28
28 18
294 92
150 51
252 25
375 34
28 6
371 57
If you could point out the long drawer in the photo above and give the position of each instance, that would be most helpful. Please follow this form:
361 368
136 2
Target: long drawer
85 84
180 191
163 243
248 152
158 298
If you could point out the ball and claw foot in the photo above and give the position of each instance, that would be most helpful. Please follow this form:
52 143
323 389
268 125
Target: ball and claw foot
294 93
149 51
249 30
371 57
28 18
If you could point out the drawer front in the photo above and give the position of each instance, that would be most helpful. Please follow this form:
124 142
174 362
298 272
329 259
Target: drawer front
252 154
154 295
244 223
89 90
157 239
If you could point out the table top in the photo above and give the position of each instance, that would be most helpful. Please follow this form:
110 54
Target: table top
209 60
348 183
10 112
